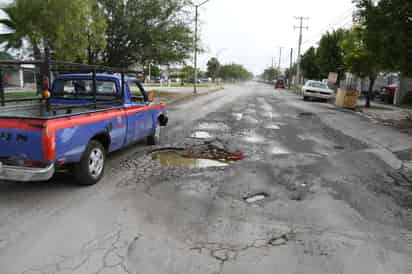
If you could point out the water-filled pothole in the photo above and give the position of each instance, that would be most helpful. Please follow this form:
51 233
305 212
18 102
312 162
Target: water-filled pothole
201 135
238 116
216 126
272 126
176 159
256 197
208 154
254 139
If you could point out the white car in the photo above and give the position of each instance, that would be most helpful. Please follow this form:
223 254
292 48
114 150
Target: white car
316 89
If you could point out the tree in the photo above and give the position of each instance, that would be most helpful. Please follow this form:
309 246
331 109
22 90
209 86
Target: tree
213 67
271 74
330 54
147 31
389 24
359 58
309 64
63 26
234 72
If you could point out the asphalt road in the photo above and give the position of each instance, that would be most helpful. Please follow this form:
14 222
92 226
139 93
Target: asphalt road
326 202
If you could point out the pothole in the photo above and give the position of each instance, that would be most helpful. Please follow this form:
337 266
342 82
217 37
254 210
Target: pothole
279 151
272 126
175 159
208 154
201 135
256 197
213 126
339 147
238 116
254 139
306 114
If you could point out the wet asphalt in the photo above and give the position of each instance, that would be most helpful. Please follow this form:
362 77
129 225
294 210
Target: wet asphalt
303 200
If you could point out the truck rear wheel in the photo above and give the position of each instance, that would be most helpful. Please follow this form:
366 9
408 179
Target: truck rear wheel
90 169
154 139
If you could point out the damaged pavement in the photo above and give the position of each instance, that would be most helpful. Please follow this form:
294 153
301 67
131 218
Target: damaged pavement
254 181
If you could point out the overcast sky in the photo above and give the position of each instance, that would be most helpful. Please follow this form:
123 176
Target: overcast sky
250 32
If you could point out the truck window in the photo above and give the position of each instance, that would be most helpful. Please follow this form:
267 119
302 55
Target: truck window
137 91
83 89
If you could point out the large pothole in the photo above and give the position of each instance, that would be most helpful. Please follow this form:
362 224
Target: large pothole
205 155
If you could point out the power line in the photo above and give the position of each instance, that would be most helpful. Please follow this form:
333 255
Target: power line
336 22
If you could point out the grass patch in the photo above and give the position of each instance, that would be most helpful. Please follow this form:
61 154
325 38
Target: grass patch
20 94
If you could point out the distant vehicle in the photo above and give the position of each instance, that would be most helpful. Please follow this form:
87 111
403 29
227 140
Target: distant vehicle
387 93
280 84
317 89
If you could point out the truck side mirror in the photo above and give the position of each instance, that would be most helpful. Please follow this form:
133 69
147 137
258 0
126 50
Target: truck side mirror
150 96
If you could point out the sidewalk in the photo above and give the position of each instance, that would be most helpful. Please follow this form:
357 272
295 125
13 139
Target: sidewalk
388 115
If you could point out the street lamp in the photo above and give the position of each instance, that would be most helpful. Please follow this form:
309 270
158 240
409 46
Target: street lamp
196 18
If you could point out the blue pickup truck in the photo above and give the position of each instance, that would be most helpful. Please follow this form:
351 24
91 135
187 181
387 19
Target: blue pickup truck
85 117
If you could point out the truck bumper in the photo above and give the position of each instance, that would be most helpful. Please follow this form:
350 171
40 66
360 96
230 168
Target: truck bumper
26 174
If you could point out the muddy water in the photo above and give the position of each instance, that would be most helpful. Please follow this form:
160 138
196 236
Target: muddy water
174 159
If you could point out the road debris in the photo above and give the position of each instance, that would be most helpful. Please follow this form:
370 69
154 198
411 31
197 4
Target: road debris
256 198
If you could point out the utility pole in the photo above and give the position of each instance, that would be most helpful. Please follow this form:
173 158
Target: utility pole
196 40
290 68
300 27
280 57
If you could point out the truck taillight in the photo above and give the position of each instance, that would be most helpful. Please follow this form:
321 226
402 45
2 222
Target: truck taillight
46 84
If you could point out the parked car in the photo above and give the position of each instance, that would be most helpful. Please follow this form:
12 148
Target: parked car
387 94
317 89
280 84
85 118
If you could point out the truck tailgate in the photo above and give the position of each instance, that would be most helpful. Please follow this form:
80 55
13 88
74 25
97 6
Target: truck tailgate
20 139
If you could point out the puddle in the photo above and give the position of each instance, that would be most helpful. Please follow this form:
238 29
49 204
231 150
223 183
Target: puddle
254 139
255 198
273 126
238 116
280 151
201 135
213 126
175 159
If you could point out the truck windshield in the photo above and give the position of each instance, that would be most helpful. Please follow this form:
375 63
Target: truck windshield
83 89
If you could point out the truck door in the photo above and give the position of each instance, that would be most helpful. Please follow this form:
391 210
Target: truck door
141 120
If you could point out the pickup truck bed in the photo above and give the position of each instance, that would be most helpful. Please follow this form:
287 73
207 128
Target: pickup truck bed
39 111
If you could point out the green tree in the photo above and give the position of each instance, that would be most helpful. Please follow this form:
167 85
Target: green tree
213 67
63 26
309 64
360 58
271 74
329 54
389 26
144 31
234 72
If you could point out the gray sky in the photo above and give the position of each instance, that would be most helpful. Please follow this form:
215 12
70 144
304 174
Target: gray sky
250 32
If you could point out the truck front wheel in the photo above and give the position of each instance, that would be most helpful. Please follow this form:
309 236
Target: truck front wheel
90 169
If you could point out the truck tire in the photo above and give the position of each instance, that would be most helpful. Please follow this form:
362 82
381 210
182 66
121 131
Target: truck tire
90 169
305 98
154 139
